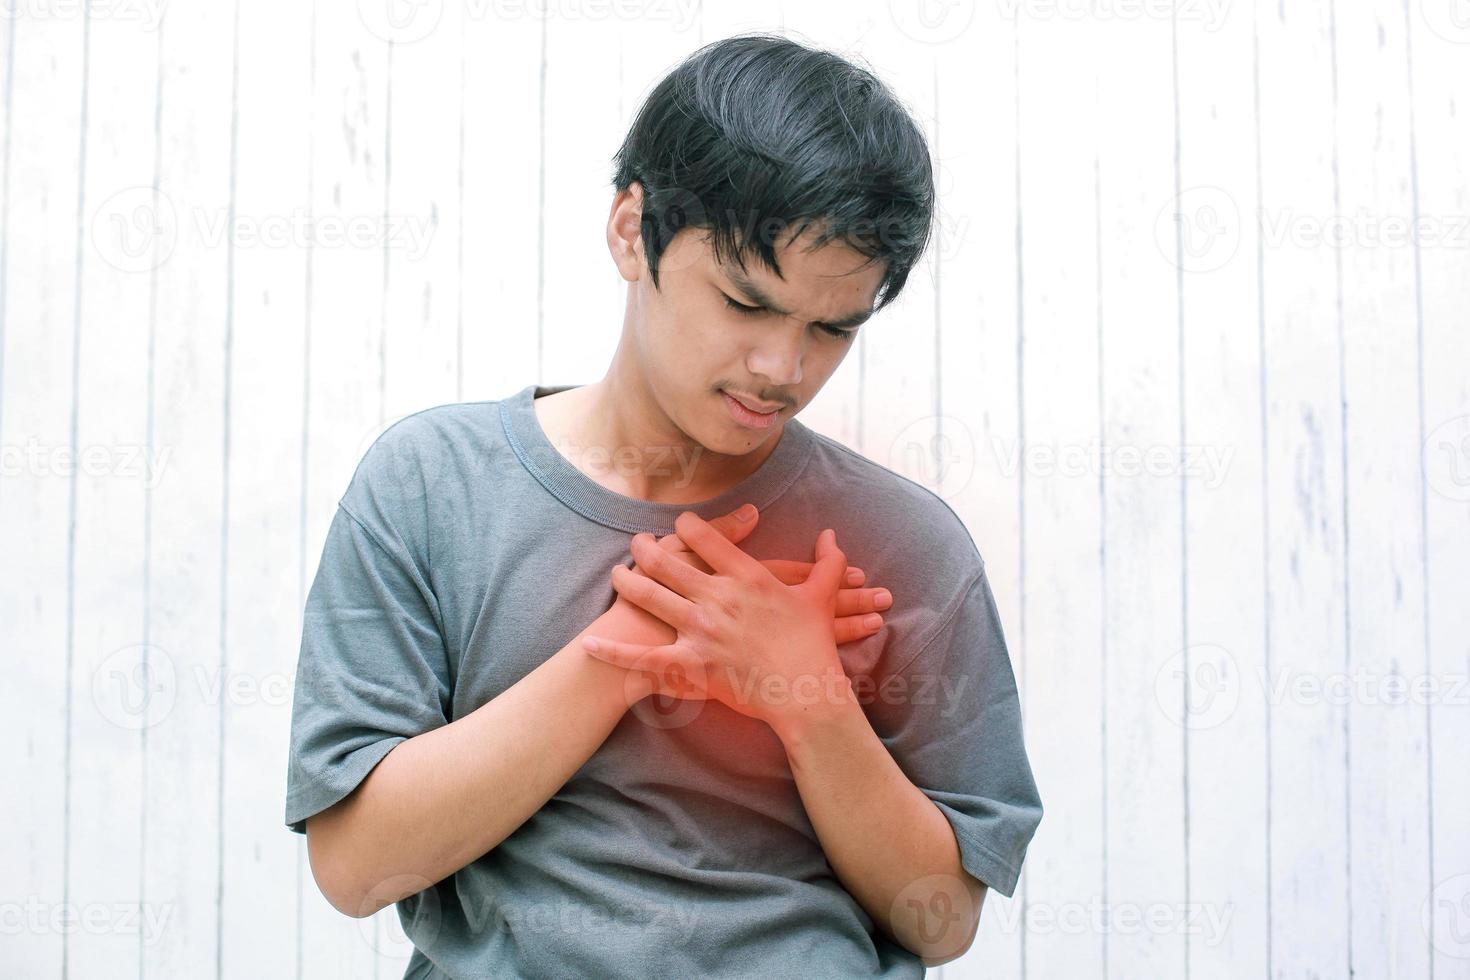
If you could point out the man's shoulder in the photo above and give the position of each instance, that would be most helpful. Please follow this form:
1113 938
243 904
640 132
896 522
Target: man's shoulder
437 425
410 458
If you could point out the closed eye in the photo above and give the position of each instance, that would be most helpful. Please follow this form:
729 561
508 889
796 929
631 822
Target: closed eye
744 310
741 307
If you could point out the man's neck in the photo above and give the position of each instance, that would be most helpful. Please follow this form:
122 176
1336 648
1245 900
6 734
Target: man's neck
620 438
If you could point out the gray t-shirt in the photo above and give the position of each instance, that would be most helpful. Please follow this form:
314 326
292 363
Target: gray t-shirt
467 549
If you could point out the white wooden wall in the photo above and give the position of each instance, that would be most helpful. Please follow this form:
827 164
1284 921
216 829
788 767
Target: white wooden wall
1207 642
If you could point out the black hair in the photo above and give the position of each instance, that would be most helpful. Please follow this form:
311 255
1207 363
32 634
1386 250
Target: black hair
757 133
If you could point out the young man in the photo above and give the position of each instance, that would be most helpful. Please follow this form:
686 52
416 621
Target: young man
743 775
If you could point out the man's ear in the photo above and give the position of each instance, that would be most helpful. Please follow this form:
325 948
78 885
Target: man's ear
625 233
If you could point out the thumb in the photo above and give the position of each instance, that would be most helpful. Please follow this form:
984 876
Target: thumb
831 565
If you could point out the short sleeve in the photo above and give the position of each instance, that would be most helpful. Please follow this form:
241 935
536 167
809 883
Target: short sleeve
373 669
951 718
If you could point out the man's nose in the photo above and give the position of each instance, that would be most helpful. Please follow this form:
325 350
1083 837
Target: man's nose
778 357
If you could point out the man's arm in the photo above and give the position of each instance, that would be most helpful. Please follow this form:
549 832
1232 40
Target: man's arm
891 847
476 779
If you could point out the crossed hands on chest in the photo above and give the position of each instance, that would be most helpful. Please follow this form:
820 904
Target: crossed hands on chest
760 636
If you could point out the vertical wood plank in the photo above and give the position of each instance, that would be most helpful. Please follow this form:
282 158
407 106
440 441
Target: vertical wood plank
582 301
43 74
1310 897
1144 486
500 223
1061 587
1437 46
273 233
420 231
183 837
1388 818
1207 229
107 775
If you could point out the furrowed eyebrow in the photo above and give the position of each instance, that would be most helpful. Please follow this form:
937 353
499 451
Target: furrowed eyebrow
758 298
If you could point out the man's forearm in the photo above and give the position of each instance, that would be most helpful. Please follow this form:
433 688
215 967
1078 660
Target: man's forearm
440 800
890 846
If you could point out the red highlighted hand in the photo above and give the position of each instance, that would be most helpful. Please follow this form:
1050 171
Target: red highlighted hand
761 639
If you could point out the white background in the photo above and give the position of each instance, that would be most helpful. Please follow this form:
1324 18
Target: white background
240 239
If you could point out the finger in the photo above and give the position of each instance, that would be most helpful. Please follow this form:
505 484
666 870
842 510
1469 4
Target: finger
731 525
830 567
676 667
722 555
633 656
855 602
673 545
686 557
796 572
652 597
663 567
846 629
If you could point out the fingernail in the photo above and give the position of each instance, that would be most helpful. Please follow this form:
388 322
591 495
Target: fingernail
883 599
745 513
872 621
854 576
591 644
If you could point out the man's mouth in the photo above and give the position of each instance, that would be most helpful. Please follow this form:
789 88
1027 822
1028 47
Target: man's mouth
749 412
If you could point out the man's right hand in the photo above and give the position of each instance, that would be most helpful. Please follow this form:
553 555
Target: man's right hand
855 603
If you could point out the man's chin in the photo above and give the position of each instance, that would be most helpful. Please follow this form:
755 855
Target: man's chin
739 441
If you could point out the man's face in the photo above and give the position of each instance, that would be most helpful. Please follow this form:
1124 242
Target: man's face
697 342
